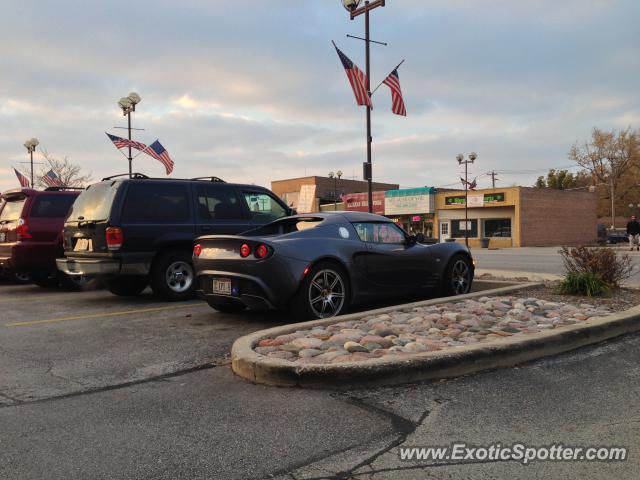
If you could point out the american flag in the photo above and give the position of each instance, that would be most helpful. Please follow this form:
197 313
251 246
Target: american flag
357 79
157 151
51 179
120 142
397 104
24 181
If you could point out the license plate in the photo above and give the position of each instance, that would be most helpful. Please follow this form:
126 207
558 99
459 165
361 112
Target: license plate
3 237
83 245
222 286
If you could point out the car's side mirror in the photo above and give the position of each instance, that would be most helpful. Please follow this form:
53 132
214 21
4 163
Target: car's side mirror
293 211
419 237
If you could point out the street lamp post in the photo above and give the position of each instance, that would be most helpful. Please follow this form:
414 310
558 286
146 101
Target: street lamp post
336 176
353 7
128 105
31 145
461 160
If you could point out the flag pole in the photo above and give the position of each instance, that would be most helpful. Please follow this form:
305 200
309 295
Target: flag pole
380 84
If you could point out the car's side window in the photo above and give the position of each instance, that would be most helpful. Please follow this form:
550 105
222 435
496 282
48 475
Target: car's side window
263 207
380 232
218 203
153 203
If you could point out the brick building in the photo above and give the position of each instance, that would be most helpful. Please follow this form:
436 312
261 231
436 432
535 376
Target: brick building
307 193
518 216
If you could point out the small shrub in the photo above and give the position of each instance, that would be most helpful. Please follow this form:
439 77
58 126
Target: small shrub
588 284
600 261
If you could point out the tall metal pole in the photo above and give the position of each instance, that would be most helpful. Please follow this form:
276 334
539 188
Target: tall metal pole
466 204
31 154
368 68
129 128
613 204
335 194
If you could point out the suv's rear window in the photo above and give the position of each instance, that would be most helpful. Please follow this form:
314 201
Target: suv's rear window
156 203
95 202
12 210
52 206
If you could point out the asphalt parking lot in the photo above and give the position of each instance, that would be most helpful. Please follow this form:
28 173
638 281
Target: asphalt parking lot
97 386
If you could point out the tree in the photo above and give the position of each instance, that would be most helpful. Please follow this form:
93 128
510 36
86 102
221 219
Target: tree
563 180
69 173
608 157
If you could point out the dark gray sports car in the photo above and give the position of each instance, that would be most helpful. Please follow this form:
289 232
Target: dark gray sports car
319 264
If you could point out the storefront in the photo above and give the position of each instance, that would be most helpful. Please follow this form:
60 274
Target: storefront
517 217
412 209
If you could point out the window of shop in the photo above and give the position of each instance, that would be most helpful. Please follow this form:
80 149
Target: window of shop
458 230
500 227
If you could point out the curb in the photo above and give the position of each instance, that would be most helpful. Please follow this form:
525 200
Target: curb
429 365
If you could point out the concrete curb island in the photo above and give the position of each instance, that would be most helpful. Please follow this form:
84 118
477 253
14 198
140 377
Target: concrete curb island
423 366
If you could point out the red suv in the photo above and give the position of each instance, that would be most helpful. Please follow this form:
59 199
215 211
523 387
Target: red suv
31 224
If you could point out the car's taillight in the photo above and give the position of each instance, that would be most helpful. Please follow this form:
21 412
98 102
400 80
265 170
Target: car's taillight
22 230
115 238
261 251
197 250
245 250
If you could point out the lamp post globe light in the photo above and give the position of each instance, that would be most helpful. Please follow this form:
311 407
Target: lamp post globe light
31 145
128 105
350 5
461 160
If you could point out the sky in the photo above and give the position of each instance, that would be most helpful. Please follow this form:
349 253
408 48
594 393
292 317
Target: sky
252 91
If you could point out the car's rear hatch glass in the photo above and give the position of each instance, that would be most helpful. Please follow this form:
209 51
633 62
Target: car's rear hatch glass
10 212
94 204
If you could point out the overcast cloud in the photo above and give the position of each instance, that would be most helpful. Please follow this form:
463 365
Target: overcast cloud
252 91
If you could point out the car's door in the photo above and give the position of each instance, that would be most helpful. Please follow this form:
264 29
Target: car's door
220 210
393 264
264 207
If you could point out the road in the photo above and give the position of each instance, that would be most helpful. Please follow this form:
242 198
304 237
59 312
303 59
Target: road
93 386
545 260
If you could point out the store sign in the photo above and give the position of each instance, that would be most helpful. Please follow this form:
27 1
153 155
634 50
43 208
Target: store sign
359 202
465 225
306 199
475 200
416 218
409 201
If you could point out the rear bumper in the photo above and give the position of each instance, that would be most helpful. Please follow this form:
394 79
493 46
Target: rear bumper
26 257
101 267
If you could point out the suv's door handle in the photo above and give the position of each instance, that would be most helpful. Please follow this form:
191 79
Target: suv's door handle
205 228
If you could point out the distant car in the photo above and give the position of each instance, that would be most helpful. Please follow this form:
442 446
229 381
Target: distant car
31 234
319 264
139 231
617 236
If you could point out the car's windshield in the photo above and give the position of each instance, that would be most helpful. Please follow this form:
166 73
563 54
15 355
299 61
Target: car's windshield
94 203
12 210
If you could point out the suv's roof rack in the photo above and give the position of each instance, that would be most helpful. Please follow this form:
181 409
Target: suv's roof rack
59 189
211 179
133 175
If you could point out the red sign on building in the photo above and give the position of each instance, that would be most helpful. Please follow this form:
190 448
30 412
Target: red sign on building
358 202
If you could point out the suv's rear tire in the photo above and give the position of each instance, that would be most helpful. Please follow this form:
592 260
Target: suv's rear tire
44 279
226 306
332 299
127 286
173 276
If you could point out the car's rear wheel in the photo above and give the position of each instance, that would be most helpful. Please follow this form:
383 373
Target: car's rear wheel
324 292
44 279
127 286
21 278
173 277
458 276
226 306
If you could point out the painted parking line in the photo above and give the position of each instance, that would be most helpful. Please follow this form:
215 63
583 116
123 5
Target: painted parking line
104 315
22 296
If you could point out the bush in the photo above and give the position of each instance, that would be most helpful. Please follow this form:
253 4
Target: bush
583 284
599 261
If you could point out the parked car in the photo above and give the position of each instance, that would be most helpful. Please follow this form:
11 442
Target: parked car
31 234
617 236
139 231
318 265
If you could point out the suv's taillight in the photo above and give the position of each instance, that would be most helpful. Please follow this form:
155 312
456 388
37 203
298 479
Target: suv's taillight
22 230
114 238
